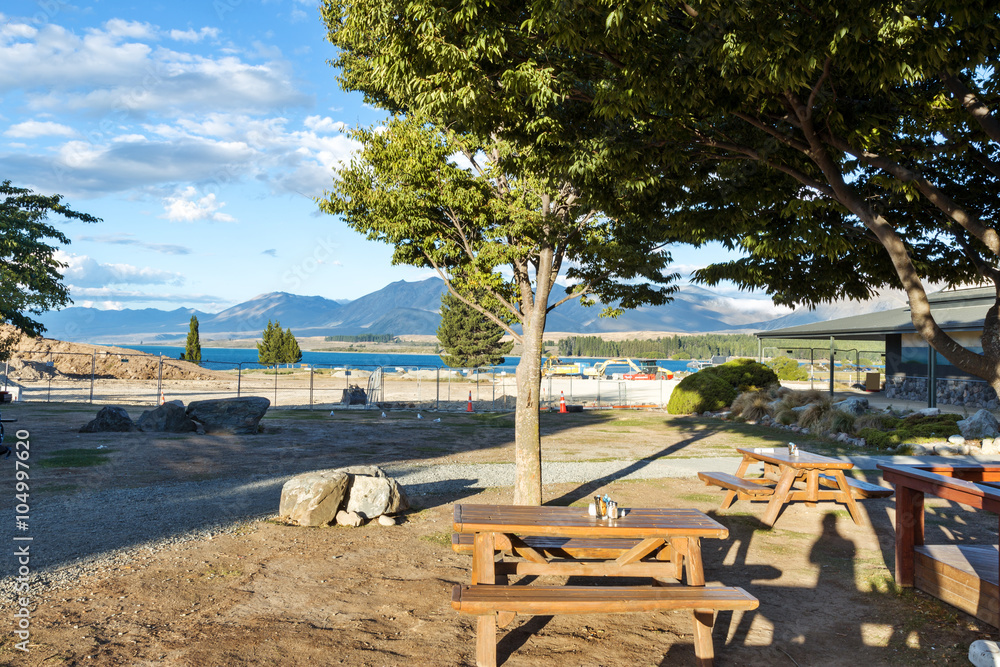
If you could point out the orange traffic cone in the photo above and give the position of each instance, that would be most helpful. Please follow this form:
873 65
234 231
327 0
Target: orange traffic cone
469 407
562 402
163 398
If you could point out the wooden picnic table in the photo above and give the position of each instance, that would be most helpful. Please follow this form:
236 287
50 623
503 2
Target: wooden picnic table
645 542
783 470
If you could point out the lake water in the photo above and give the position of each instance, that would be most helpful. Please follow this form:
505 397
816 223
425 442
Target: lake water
224 358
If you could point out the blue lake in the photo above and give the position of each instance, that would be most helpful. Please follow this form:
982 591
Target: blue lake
223 358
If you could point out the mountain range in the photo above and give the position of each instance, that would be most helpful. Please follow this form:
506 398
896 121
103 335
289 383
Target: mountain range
413 308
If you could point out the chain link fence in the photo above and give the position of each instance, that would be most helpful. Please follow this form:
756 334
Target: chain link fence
104 378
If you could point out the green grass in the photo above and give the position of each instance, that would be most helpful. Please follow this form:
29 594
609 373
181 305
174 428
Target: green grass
74 458
441 539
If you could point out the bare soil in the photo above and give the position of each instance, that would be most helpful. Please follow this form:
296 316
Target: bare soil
273 594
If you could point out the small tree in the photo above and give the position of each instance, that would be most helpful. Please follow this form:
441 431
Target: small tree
192 350
290 351
469 338
269 350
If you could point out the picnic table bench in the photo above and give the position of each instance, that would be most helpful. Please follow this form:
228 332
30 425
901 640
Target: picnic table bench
789 477
567 541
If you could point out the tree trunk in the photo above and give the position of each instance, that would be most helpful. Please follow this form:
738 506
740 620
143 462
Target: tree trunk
527 440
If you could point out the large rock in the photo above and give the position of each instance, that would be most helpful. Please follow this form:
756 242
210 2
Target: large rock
229 415
856 406
312 499
167 418
110 418
984 653
980 425
373 496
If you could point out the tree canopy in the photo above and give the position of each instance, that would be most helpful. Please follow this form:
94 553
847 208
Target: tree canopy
30 275
192 347
278 346
842 147
500 234
469 338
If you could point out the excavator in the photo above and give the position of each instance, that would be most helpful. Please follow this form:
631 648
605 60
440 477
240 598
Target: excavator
554 366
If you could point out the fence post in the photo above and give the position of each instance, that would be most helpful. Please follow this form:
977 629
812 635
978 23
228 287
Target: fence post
493 381
239 377
93 371
598 392
159 381
275 385
437 387
310 387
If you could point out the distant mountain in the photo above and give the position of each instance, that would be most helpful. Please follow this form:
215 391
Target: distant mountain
414 308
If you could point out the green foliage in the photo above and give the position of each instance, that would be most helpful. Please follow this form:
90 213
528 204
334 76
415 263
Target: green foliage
915 428
788 369
277 346
192 348
469 338
701 346
290 351
30 275
879 439
744 374
839 421
700 392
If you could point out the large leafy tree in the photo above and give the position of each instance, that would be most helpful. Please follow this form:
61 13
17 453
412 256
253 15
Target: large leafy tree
499 231
842 146
30 275
469 338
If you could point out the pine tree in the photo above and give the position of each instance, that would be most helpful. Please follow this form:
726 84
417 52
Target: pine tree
192 350
290 351
270 348
468 337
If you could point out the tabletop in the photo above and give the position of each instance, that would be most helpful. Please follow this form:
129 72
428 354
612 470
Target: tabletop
639 523
781 457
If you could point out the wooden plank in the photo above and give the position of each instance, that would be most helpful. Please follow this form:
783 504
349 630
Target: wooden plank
595 568
951 573
909 531
859 488
599 599
560 547
734 483
639 551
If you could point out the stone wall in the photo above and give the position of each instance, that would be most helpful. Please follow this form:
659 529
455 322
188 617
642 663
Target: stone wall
972 393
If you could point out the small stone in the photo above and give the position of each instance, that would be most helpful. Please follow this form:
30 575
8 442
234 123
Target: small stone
386 520
956 440
352 519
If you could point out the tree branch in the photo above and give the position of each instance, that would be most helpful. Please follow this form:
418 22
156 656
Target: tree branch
981 113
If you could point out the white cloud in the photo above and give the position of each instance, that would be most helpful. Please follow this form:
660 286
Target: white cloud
120 70
30 129
324 124
86 272
188 207
193 35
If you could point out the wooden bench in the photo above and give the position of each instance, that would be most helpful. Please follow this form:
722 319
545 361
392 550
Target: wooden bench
739 488
492 601
859 488
557 547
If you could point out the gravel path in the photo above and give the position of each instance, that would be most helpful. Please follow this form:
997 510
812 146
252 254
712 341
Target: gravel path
84 532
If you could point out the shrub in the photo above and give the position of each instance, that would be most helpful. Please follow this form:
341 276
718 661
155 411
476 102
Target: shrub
879 439
839 421
786 416
744 374
788 369
815 413
752 405
700 392
795 399
878 421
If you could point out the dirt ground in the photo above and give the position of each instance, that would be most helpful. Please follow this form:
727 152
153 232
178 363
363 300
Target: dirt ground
272 594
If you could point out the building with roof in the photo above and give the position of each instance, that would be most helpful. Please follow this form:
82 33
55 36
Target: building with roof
911 365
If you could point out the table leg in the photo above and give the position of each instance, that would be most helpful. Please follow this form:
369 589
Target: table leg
909 531
847 497
484 570
812 487
740 472
694 568
704 651
780 496
486 640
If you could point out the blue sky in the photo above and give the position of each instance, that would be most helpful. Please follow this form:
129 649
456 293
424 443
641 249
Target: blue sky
200 132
